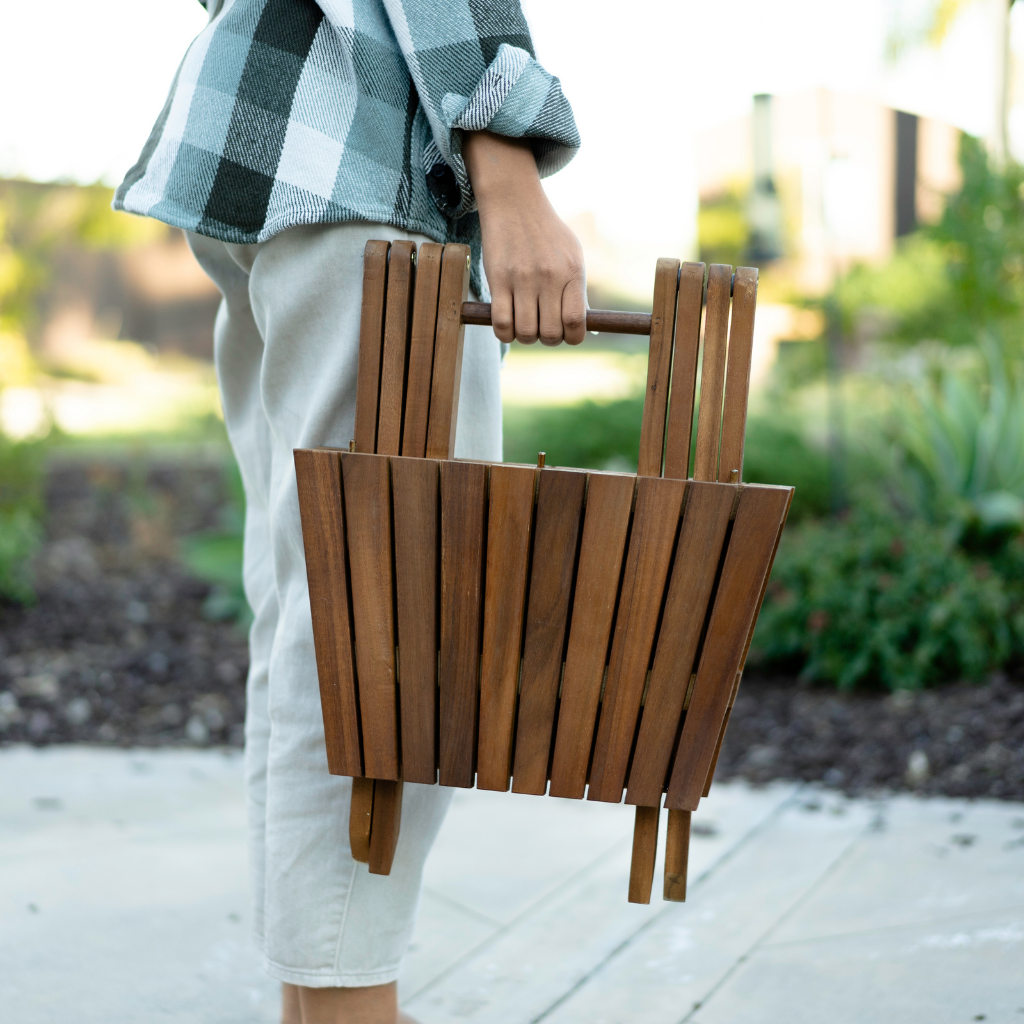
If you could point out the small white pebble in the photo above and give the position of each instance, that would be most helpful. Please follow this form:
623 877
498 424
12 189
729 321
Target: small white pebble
196 730
918 768
78 711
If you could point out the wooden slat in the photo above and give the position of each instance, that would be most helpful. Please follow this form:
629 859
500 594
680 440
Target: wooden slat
421 349
705 520
659 368
401 274
360 817
684 370
746 648
759 515
371 337
509 517
655 521
463 496
602 549
368 521
447 374
645 848
387 818
318 474
718 746
737 381
677 855
559 507
414 484
712 376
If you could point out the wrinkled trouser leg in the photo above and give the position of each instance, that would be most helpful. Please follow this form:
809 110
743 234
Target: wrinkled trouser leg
286 349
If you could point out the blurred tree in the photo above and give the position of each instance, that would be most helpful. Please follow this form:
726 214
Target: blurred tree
957 279
35 220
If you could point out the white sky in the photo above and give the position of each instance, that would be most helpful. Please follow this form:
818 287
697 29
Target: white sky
82 83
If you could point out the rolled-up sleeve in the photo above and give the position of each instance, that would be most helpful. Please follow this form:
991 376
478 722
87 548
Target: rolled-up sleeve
473 65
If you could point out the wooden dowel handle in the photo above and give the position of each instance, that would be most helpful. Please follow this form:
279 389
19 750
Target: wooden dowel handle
608 321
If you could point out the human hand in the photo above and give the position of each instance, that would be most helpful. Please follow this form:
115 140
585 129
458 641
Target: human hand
533 261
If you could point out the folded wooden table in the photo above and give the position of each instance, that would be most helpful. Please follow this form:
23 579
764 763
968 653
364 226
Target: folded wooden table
554 631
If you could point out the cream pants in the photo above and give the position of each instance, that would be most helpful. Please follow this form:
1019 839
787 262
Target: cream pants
286 350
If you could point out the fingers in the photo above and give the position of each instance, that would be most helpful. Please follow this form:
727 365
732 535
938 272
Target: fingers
551 316
526 315
574 312
502 315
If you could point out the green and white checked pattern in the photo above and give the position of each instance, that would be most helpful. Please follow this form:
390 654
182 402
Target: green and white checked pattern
288 112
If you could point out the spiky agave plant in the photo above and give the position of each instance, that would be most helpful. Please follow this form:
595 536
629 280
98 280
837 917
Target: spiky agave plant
960 443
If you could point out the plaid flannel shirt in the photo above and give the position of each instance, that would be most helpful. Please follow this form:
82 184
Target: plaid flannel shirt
288 112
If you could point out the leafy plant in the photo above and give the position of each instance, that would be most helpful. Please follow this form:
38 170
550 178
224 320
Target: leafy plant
216 557
959 440
21 510
590 435
878 600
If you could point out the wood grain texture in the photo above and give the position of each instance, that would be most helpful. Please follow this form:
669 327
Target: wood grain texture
318 475
387 819
448 342
371 340
463 497
705 520
368 522
759 515
718 750
602 549
655 521
677 855
398 307
509 521
712 375
659 368
360 818
414 489
559 508
645 849
421 350
684 370
743 657
737 380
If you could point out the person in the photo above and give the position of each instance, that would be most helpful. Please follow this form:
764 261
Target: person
292 134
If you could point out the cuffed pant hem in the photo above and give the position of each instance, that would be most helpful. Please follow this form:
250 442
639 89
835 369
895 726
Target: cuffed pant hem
323 979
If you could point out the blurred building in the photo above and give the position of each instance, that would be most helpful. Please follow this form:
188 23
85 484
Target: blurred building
824 179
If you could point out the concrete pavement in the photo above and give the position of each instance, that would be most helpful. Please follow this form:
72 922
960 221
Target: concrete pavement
123 899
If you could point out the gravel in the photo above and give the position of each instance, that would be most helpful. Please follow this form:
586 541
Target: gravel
118 651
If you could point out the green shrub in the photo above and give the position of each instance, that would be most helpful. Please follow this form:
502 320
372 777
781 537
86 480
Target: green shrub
880 601
777 452
590 435
216 557
21 510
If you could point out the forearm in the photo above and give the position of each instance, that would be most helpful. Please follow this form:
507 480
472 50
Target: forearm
533 262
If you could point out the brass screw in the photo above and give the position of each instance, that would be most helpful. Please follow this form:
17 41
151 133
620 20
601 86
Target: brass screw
541 459
352 445
467 263
413 257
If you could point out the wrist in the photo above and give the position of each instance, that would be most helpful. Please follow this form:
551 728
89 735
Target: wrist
501 170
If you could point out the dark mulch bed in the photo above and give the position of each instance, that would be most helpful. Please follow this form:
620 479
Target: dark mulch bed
118 651
958 740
